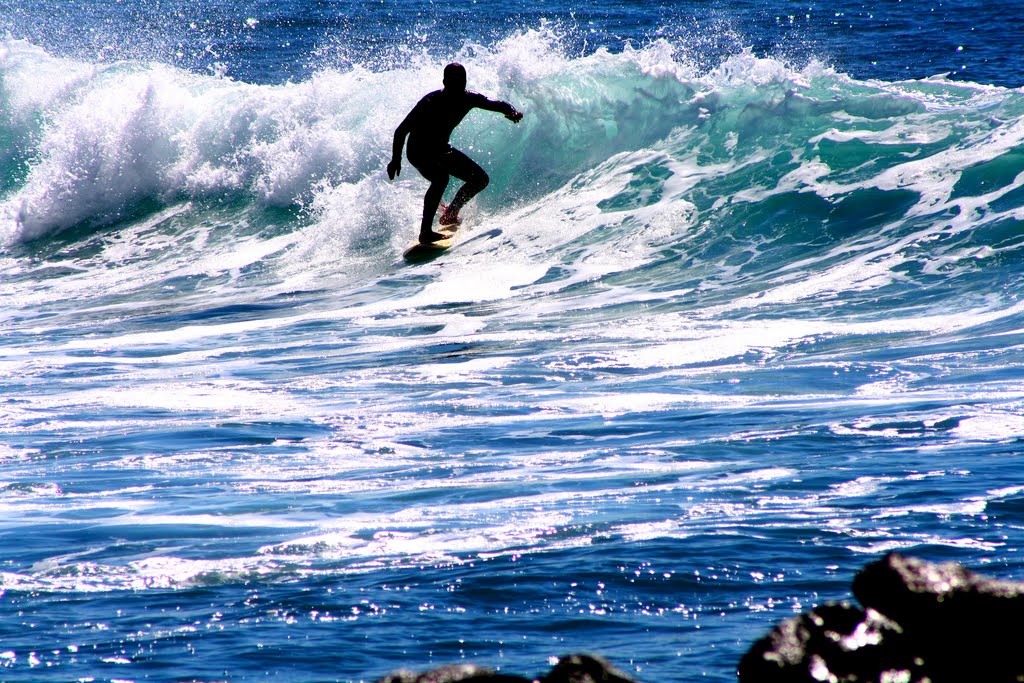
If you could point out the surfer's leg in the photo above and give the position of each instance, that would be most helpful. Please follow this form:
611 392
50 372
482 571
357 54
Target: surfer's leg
431 200
465 169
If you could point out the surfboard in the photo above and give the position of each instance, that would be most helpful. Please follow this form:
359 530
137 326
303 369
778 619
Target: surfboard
419 251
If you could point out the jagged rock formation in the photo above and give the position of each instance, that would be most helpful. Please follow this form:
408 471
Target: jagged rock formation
918 622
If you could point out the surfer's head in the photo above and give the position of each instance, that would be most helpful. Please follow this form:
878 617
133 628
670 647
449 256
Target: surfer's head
455 77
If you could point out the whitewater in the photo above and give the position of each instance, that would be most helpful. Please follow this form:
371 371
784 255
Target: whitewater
718 333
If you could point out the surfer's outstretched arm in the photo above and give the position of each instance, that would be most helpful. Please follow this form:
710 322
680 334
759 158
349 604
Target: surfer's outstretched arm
510 112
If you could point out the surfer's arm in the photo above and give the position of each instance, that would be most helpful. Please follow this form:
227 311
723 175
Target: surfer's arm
401 133
510 112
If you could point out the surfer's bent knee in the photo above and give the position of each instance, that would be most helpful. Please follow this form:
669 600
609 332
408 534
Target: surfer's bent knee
481 180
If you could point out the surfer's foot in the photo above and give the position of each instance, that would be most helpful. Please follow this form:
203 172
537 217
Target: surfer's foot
431 237
449 219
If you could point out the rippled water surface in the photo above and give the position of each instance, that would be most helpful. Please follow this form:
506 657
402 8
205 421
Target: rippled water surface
739 312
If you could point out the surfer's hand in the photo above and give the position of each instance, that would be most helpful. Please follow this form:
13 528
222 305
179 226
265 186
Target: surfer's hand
515 116
394 169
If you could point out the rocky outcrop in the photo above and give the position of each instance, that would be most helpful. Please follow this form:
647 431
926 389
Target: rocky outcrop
917 622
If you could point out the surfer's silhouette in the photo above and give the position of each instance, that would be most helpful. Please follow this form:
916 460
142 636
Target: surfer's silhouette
429 127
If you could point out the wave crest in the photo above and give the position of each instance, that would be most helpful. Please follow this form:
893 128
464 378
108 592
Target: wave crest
752 171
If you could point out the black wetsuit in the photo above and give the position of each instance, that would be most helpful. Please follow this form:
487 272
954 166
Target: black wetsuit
429 127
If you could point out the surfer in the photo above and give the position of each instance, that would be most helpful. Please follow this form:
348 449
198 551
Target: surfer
429 127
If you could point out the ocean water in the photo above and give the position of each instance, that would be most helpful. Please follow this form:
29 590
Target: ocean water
739 313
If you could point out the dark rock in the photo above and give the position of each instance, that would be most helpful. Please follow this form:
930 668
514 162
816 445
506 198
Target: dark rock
569 669
957 620
453 673
585 669
838 642
920 622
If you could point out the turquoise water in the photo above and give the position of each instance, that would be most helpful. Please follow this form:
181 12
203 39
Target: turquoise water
739 312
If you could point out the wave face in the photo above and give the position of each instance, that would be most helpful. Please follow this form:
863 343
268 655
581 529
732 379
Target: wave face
718 332
769 183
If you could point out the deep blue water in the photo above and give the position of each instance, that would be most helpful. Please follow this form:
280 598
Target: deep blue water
739 313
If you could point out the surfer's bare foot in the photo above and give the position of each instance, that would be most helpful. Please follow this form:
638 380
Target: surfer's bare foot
431 237
448 219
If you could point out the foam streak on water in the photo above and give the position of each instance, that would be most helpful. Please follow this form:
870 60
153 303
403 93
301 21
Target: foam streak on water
711 340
